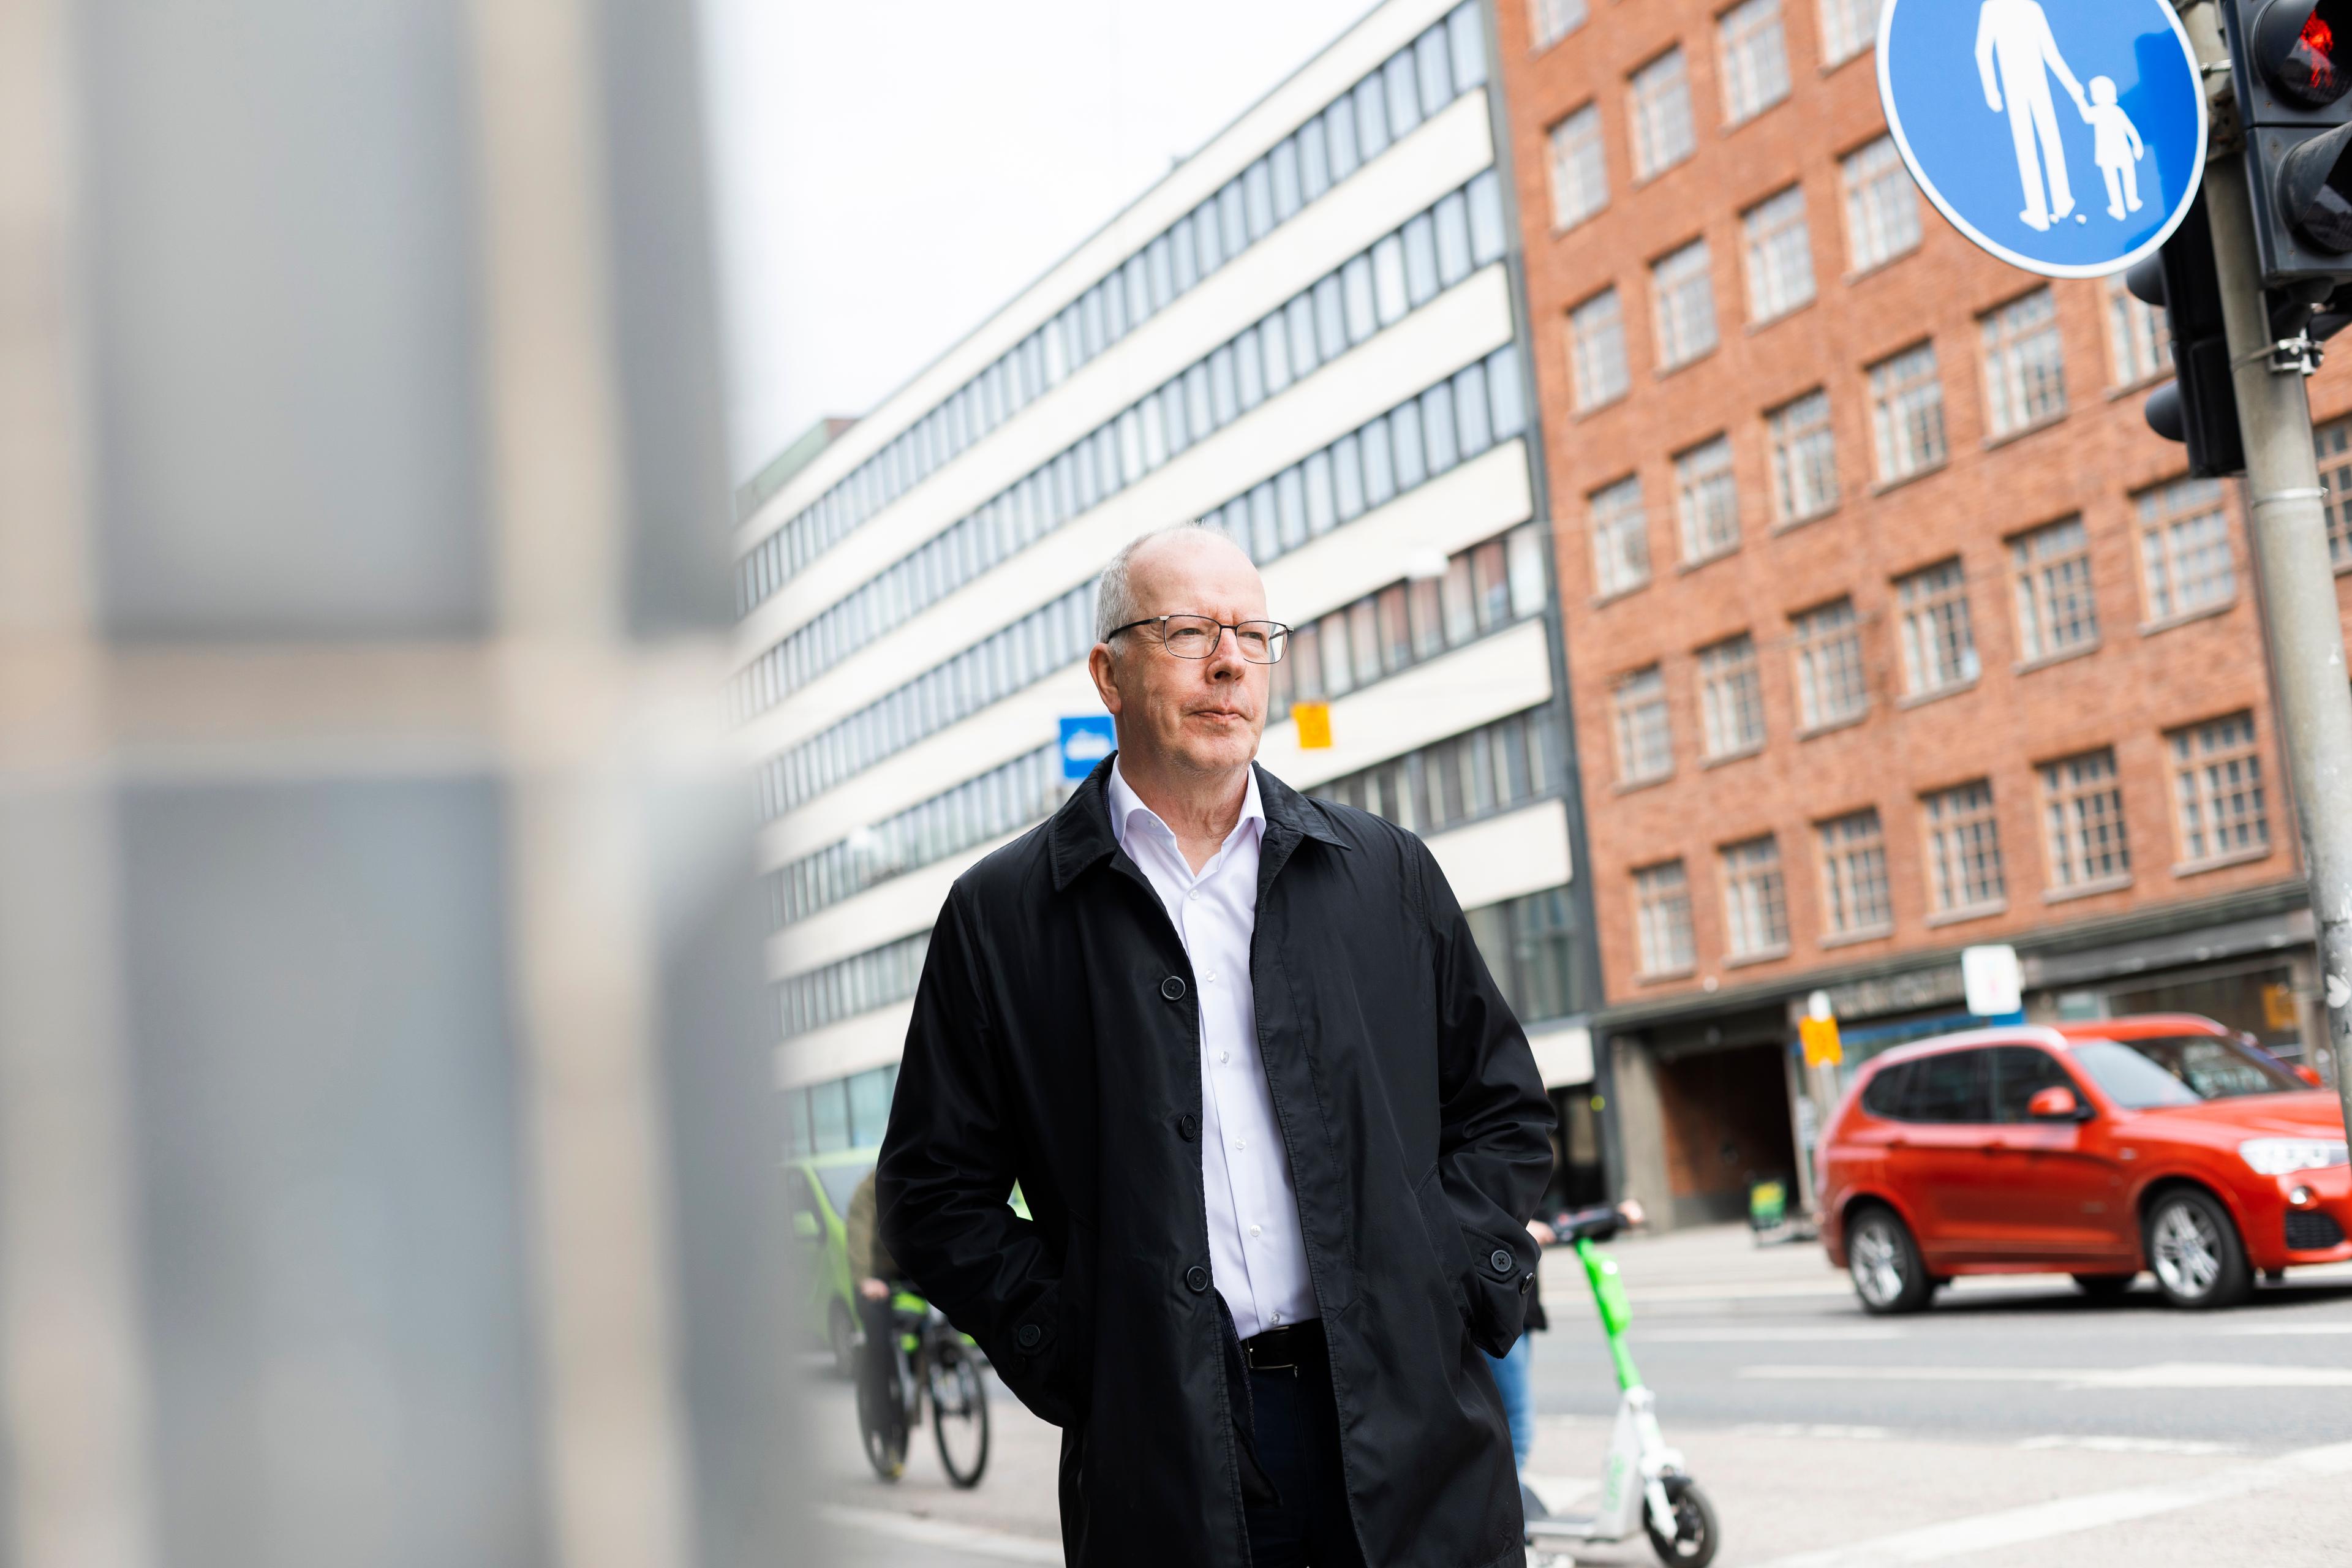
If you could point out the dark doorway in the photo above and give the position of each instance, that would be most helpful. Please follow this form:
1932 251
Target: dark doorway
1726 1125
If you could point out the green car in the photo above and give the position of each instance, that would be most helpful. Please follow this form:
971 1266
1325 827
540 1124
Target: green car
818 1188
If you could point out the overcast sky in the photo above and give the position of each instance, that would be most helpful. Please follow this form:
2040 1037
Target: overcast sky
888 173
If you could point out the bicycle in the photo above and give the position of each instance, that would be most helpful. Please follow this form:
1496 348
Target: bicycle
928 1356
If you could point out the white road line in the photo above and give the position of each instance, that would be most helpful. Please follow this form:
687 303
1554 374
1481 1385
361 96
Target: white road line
969 1538
2285 1331
1558 1494
2178 1375
2098 1444
1810 1429
1826 1335
2067 1516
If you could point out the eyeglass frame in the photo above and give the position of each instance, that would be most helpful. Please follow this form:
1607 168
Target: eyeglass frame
1282 631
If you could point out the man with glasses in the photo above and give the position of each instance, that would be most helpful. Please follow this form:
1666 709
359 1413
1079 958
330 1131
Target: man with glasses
1277 1131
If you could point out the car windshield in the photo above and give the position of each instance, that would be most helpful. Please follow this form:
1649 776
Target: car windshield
842 1180
2179 1069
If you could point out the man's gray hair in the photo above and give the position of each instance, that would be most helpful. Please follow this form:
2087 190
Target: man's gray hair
1114 595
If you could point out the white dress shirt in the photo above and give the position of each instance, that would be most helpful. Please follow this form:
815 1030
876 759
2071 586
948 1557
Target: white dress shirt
1257 1254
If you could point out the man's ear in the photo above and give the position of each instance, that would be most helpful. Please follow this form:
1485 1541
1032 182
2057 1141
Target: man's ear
1098 667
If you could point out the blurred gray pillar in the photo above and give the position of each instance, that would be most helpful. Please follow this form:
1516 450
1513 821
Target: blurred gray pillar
386 1151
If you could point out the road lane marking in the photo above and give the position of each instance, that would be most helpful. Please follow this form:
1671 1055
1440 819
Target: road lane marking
1824 1334
2178 1375
973 1539
1560 1494
2098 1444
2068 1516
2282 1330
1810 1429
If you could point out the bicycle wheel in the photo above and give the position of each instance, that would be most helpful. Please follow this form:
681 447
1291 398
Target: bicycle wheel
958 1412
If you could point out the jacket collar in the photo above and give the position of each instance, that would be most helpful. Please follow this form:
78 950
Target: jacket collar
1080 833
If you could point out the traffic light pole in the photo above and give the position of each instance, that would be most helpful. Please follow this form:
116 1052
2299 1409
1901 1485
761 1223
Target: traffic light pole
2300 617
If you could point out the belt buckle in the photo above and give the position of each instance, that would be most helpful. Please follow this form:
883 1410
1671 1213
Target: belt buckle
1251 1354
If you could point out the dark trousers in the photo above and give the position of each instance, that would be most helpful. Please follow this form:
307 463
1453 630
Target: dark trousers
1297 1430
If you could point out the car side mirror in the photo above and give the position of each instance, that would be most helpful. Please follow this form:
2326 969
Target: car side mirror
805 1225
2056 1103
2308 1077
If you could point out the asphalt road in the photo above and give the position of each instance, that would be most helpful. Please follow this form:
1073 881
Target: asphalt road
2017 1423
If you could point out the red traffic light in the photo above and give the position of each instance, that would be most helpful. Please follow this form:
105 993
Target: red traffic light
2301 48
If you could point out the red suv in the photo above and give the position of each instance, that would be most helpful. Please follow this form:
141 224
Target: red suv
2094 1149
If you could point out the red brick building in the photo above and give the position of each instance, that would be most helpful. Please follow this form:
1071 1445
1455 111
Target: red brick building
1890 626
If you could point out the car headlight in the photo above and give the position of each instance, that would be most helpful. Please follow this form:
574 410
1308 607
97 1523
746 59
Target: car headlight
2285 1156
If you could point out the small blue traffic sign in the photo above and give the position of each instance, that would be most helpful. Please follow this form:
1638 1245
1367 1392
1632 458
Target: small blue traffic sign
2066 137
1086 741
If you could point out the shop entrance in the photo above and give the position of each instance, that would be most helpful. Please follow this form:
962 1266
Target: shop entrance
1727 1125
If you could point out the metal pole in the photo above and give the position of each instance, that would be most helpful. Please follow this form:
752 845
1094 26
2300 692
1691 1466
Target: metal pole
2290 544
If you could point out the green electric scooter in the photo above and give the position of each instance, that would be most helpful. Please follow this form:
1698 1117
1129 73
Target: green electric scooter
1643 1484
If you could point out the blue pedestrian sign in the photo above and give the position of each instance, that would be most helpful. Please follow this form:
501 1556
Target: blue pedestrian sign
1086 741
2066 137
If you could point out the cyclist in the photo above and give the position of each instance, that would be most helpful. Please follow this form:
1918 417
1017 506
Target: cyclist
869 1263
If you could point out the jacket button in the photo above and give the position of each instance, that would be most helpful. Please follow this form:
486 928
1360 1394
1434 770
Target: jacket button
1500 1262
1188 1127
1029 1336
1172 988
1197 1279
1527 1281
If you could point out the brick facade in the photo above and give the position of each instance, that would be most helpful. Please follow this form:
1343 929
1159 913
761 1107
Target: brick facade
2143 675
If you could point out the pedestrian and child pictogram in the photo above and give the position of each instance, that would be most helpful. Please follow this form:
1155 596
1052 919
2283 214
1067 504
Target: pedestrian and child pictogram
2097 97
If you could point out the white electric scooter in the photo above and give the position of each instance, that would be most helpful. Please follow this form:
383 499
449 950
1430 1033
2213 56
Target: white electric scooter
1643 1484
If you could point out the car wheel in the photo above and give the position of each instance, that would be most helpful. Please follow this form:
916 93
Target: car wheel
841 1338
1885 1263
2194 1250
2103 1287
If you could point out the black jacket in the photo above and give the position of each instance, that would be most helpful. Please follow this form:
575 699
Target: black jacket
1056 1042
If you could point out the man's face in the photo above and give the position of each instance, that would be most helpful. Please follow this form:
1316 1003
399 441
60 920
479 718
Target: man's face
1187 715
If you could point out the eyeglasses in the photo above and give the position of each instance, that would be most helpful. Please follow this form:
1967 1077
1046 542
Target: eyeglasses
1197 637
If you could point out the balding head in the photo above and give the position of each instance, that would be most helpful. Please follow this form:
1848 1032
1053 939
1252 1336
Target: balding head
1117 595
1176 717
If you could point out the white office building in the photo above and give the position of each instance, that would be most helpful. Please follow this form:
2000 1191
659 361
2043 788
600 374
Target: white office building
1308 335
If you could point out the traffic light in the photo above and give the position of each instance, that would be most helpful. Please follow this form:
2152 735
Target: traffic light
2291 62
2200 406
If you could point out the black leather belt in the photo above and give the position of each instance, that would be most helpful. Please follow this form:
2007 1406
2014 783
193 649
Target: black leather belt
1284 1349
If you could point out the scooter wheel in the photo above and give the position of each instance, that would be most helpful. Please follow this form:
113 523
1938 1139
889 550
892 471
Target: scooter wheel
1696 1537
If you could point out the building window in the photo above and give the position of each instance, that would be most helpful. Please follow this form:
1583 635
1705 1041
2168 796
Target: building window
1755 900
1659 102
2024 368
2184 537
1853 874
1832 685
1662 915
1882 205
1646 743
1804 458
1620 537
1963 850
1731 697
1529 945
1556 19
1779 255
2055 613
2218 780
1684 298
1596 350
1939 647
2083 818
1755 58
1907 405
2333 444
1579 170
1496 768
2136 336
1848 28
1708 500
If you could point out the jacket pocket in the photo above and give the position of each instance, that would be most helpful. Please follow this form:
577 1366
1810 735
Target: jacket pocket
1444 1234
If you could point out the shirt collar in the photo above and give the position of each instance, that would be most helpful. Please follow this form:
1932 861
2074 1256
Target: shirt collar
1126 805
